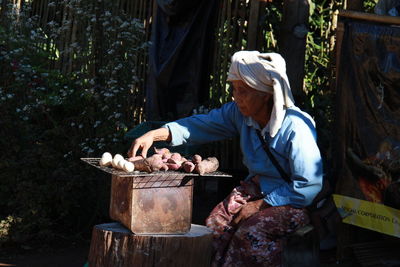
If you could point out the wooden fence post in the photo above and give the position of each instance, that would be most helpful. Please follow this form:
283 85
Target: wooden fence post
3 8
253 25
293 43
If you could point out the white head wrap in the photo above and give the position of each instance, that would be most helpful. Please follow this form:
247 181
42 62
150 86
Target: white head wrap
264 72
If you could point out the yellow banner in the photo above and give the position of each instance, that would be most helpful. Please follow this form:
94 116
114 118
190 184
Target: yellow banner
369 215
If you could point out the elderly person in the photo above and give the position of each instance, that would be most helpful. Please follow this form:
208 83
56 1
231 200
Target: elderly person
249 224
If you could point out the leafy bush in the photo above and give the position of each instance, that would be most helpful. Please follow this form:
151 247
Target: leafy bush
51 118
318 69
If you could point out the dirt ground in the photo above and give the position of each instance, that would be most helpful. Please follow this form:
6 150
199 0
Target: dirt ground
76 256
72 256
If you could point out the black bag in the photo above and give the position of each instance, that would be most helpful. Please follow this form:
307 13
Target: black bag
322 211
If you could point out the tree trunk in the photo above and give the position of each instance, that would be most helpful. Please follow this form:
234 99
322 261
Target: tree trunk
293 43
115 246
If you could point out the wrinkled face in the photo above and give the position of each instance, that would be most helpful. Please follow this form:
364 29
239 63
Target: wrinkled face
249 101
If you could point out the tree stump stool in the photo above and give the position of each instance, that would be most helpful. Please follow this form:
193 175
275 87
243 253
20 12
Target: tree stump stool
113 245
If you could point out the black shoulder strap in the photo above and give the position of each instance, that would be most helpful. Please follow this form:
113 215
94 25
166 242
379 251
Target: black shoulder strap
284 175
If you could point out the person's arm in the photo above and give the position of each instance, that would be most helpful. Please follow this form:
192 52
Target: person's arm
145 141
218 124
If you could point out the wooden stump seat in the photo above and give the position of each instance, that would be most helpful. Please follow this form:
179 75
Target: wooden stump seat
113 245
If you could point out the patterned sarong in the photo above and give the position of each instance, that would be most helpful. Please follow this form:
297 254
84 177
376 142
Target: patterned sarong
256 241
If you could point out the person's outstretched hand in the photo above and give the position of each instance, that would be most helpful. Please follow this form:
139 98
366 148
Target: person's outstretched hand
143 142
146 141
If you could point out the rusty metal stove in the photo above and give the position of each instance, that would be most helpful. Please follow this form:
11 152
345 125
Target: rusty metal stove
152 203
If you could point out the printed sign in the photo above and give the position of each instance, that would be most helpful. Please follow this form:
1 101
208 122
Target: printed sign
367 146
366 214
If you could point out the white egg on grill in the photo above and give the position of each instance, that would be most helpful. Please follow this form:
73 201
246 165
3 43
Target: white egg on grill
120 164
115 160
106 159
129 166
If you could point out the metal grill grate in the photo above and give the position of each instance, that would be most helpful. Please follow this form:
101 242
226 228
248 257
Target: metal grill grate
149 177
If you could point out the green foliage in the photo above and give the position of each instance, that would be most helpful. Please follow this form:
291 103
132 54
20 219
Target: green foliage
369 5
271 22
318 71
50 118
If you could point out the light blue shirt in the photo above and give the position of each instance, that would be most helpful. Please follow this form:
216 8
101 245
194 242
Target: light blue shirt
294 147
